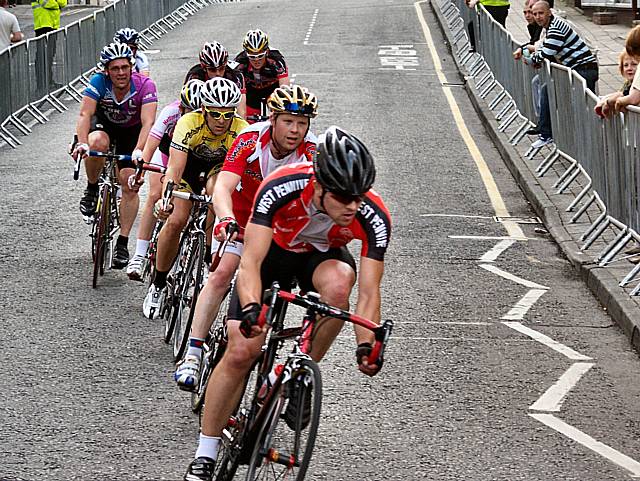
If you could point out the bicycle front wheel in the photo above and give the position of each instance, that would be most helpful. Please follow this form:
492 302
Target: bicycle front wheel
100 234
188 296
285 441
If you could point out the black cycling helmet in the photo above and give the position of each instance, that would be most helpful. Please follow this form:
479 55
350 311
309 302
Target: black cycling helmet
342 163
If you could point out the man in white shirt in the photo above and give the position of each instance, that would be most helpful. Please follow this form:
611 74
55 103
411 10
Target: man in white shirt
9 28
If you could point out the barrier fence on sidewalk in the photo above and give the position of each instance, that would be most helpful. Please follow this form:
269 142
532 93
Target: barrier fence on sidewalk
594 159
40 71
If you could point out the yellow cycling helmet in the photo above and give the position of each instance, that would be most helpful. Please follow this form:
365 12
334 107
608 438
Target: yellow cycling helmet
293 99
255 42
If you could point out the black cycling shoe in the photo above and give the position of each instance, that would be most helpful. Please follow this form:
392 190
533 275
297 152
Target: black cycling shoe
89 202
290 414
200 469
120 257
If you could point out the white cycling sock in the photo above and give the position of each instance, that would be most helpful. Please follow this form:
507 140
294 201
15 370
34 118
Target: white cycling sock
208 447
195 347
141 247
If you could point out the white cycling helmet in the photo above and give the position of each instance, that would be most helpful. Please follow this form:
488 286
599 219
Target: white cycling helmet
220 92
213 55
127 35
114 51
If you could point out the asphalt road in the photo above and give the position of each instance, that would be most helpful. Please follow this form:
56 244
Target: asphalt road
87 391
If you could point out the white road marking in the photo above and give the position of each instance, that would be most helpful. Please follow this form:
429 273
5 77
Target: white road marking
490 237
512 277
152 51
496 250
311 25
518 311
495 197
458 215
588 442
453 323
547 341
553 397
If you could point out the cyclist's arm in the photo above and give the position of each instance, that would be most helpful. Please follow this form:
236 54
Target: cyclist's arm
149 148
83 124
176 165
226 183
147 117
368 305
256 245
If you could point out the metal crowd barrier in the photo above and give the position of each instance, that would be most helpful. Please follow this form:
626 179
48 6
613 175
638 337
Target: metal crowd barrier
41 71
593 158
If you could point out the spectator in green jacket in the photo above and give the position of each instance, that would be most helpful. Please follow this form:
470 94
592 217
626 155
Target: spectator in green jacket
46 15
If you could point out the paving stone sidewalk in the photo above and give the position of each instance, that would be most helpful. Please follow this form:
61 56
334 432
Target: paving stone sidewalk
608 39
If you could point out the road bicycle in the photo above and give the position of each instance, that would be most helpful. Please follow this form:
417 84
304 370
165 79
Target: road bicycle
105 223
215 342
285 389
186 276
262 116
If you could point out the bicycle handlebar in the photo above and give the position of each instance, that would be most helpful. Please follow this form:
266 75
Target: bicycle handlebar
206 199
312 301
108 155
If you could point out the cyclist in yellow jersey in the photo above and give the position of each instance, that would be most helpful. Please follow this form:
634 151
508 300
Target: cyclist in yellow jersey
198 148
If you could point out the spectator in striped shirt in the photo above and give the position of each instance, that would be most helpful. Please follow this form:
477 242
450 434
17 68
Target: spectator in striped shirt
564 46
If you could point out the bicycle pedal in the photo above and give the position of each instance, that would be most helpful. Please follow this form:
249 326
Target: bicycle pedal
87 219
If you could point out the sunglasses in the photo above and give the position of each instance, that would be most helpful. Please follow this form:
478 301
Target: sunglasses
217 115
257 56
347 199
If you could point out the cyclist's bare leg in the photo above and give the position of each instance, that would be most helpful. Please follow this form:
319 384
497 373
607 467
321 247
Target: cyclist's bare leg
169 237
211 295
98 140
129 202
334 281
225 387
148 220
211 182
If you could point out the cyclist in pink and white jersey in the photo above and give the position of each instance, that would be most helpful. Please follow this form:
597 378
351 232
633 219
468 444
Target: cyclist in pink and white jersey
157 148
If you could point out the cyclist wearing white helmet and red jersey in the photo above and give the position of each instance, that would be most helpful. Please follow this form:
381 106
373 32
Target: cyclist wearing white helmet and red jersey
131 37
264 69
157 149
214 62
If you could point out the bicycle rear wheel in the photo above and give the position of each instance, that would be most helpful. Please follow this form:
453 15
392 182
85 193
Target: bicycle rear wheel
188 296
174 283
100 234
283 449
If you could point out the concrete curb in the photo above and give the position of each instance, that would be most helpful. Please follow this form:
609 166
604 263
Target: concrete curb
600 280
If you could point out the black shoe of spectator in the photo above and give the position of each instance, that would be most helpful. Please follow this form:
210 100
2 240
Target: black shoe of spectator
533 131
120 256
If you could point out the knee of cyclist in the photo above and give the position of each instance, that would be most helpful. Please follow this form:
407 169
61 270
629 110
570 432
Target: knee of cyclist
100 143
338 292
240 356
174 225
219 280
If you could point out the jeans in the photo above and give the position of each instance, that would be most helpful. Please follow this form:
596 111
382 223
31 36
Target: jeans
544 123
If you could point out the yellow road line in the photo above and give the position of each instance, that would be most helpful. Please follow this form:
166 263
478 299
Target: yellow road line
497 202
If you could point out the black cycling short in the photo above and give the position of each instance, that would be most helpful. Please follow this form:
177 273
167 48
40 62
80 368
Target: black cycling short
124 138
285 266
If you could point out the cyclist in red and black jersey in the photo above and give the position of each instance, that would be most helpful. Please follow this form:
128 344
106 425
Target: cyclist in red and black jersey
214 63
303 216
264 69
256 152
